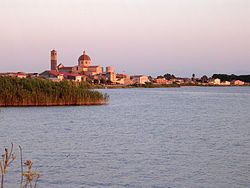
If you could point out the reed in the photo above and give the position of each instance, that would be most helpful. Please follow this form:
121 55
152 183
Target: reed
40 92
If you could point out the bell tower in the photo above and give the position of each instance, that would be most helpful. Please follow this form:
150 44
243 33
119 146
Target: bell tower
53 60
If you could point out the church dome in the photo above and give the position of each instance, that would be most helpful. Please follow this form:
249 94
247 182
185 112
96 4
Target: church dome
84 57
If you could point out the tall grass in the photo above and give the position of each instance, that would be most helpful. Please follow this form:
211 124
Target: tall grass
40 92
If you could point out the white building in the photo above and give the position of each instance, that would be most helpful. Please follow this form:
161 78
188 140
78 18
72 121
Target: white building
140 79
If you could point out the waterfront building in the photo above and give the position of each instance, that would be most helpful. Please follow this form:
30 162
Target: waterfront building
181 80
216 81
140 79
111 76
162 81
123 79
238 82
226 83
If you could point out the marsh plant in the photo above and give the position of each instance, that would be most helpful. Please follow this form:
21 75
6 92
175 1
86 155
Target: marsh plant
29 178
39 92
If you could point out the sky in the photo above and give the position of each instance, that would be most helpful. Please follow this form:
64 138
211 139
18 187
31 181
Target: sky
150 37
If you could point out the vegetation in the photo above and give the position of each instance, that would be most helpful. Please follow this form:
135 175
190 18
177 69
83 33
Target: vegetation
167 76
39 92
27 177
7 159
226 77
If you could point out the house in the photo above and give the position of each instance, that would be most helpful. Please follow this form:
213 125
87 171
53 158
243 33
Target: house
226 83
237 82
215 81
140 79
111 76
21 75
162 81
52 75
123 79
74 77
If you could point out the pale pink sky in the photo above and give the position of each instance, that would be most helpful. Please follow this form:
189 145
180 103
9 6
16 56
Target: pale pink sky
134 36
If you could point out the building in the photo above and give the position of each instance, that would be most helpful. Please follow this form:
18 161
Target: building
52 75
140 79
237 82
21 75
84 70
111 76
84 67
53 64
62 68
74 77
15 75
93 70
123 79
162 81
110 69
84 60
215 81
226 83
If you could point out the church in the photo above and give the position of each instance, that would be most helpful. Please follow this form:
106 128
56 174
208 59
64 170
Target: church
81 72
83 67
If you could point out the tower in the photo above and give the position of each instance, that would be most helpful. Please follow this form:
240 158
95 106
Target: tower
53 60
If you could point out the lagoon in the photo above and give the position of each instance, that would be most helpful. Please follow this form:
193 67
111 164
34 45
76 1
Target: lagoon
161 137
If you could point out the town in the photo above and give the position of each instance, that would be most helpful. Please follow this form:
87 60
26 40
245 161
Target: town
85 71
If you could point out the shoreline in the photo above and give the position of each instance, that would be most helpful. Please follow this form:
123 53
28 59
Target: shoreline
98 103
156 86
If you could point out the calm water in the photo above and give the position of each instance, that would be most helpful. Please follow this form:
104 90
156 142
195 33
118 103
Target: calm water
173 137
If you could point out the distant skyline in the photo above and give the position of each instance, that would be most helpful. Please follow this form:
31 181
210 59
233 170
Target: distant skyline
150 37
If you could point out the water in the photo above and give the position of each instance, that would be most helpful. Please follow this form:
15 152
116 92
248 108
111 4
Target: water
172 137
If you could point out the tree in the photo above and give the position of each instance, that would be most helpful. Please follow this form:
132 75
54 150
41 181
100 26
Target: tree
204 79
193 77
169 76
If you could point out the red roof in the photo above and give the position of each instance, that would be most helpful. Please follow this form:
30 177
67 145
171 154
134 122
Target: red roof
54 72
66 68
93 66
84 57
70 74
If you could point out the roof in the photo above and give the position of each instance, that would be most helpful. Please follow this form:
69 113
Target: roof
93 66
84 57
70 74
136 76
66 68
54 72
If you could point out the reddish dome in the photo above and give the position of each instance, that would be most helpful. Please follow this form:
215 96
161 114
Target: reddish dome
84 57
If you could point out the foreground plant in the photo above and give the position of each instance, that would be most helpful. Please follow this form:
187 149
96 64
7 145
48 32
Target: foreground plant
7 159
28 177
